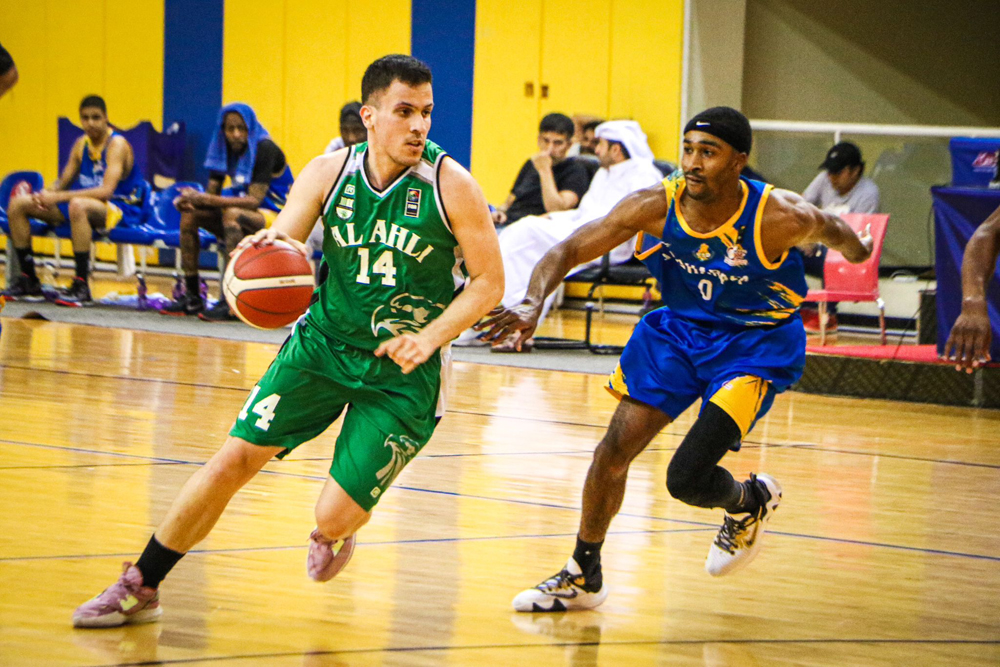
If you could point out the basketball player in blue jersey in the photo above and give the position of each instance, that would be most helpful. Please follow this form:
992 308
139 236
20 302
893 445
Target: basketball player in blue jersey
243 151
723 248
99 185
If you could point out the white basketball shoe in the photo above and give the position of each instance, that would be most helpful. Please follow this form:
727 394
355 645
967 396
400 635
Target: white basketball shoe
566 591
741 535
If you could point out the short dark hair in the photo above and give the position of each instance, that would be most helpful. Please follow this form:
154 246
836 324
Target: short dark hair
624 150
592 125
95 101
559 123
381 73
351 112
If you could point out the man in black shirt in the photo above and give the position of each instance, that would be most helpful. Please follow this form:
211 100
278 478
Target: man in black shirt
549 181
260 179
8 72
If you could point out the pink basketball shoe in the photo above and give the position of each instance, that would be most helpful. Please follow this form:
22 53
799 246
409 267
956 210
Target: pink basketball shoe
323 564
125 601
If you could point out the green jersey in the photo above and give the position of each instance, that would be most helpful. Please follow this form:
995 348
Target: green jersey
394 262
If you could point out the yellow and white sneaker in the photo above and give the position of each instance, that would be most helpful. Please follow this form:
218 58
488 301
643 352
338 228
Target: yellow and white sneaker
567 591
740 537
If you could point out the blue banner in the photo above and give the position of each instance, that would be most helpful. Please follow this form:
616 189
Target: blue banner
957 214
973 161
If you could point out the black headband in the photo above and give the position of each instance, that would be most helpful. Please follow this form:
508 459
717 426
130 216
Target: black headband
725 123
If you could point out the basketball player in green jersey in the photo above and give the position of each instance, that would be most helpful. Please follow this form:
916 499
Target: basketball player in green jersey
404 227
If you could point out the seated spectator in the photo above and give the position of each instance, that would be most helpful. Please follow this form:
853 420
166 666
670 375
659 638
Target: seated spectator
8 71
260 179
626 166
98 186
352 129
588 138
549 181
839 188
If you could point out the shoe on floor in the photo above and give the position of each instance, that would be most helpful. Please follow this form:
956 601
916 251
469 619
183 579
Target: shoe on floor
323 563
186 305
76 295
217 313
741 535
125 601
25 288
566 591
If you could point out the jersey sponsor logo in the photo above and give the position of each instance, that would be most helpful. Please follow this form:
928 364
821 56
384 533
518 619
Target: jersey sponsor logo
412 208
406 313
392 235
345 208
736 255
704 253
403 449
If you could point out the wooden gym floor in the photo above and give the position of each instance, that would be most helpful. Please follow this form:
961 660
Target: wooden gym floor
885 550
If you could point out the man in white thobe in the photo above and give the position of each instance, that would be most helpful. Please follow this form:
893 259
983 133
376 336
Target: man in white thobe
626 166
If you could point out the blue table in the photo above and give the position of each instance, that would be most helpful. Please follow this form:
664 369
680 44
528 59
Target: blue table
957 214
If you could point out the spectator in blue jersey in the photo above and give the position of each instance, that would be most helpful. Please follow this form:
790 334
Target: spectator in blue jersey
98 187
550 180
242 151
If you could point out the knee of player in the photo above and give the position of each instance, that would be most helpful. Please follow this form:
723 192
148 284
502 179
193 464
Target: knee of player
336 523
20 203
78 208
612 457
681 484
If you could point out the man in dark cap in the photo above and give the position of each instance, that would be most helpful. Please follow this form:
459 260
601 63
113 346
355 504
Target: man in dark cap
841 187
724 247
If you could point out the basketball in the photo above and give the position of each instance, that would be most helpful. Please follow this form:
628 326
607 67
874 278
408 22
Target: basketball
268 286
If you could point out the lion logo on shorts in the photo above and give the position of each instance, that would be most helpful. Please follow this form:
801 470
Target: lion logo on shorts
406 313
403 449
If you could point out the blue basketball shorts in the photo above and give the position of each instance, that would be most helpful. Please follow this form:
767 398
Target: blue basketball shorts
671 361
116 211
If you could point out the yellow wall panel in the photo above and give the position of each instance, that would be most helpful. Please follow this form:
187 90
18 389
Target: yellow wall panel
133 85
375 30
314 54
646 63
253 60
504 118
23 121
316 74
576 39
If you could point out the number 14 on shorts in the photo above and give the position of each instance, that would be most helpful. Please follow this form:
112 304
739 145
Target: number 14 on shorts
264 409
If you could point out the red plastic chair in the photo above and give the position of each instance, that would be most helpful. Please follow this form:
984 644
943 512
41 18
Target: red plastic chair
854 283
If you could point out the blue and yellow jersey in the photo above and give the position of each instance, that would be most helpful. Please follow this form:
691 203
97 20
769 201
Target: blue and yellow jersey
132 187
723 276
277 190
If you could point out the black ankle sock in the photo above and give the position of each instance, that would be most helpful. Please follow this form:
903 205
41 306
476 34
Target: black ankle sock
82 260
588 556
27 261
193 285
752 497
155 562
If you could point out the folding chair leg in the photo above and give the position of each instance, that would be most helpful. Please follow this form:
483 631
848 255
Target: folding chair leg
823 319
881 317
58 258
142 258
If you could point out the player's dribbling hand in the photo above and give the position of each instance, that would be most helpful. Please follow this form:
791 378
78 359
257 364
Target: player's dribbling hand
866 239
407 350
269 236
504 322
969 343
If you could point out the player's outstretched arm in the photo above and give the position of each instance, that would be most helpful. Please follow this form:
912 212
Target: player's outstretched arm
641 211
969 342
304 205
789 220
469 216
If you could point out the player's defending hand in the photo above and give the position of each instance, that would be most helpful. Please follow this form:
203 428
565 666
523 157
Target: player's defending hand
269 236
502 322
407 350
969 343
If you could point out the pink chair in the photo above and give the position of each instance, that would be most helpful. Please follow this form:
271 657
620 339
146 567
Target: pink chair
843 281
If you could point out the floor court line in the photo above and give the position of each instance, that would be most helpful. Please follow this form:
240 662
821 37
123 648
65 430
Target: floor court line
377 543
639 642
577 509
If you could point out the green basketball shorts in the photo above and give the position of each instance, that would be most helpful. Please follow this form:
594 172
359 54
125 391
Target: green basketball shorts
390 416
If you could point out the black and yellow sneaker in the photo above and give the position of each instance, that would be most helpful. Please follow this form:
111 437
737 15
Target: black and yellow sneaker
740 538
567 591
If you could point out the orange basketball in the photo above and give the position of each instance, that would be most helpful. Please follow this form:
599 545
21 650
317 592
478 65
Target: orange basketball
268 286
